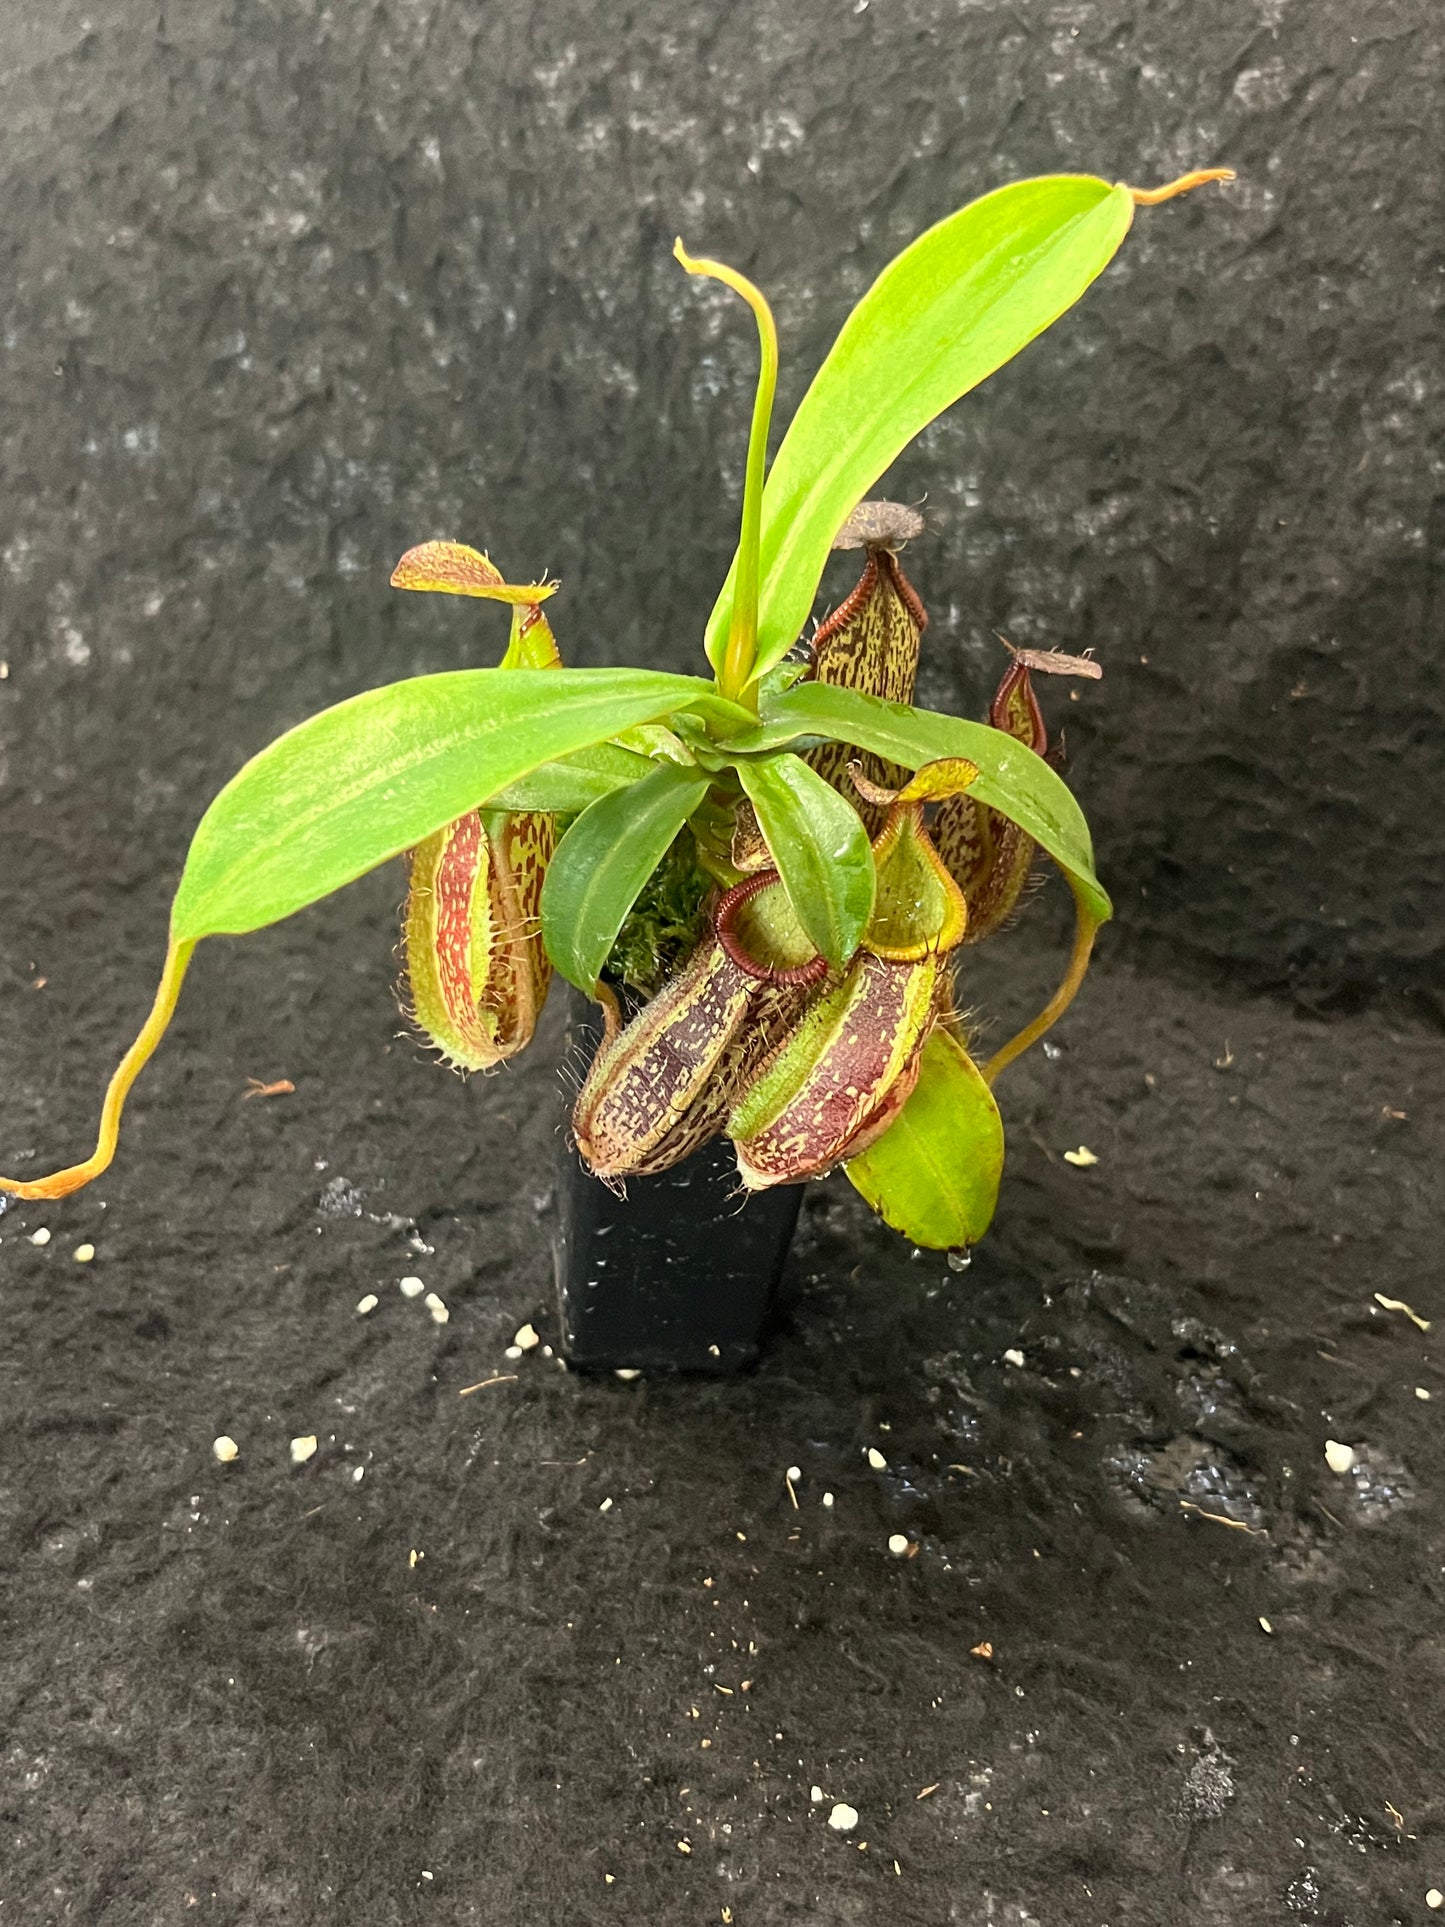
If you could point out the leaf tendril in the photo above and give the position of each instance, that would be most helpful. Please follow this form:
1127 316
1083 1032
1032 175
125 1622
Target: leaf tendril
1153 196
742 643
60 1184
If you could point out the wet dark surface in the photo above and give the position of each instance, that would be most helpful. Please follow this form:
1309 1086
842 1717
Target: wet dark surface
232 1682
287 289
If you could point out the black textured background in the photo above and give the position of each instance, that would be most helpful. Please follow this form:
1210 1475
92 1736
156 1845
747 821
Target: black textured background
287 288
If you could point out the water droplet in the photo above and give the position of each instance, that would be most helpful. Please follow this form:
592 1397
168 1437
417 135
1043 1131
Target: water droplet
960 1258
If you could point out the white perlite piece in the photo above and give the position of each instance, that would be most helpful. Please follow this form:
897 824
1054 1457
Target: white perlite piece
827 1498
1435 1898
303 1448
83 1254
794 1472
1265 1625
606 1506
527 1338
817 1795
1339 1458
410 1287
225 1448
513 1352
843 1818
40 1237
1420 1392
438 1310
628 1372
367 1304
1013 1356
898 1544
876 1459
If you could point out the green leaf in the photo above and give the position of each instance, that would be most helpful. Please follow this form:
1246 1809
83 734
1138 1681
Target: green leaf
781 676
934 1174
655 741
603 861
1012 779
953 307
818 841
570 785
359 783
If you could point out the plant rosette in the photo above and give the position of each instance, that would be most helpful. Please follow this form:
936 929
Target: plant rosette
777 865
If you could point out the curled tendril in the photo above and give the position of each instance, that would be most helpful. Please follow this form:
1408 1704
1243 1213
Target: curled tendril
1153 196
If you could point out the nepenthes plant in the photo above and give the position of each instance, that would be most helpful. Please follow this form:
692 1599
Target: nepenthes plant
766 876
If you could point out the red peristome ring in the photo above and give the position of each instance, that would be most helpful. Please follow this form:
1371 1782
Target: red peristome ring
811 972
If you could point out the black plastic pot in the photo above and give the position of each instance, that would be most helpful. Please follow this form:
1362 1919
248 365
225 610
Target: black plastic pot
680 1275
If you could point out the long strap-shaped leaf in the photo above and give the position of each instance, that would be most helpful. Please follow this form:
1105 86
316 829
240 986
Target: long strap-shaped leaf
603 861
338 795
953 307
1011 778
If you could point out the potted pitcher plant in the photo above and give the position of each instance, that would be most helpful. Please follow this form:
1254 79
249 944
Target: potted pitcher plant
761 879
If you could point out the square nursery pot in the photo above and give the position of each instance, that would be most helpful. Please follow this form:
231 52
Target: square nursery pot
679 1275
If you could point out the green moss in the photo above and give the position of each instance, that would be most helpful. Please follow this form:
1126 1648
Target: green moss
664 924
